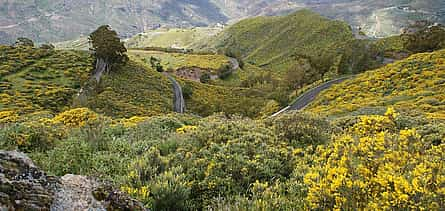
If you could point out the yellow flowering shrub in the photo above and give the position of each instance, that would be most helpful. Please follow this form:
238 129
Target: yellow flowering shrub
133 121
373 124
373 168
141 193
415 83
186 129
77 117
8 117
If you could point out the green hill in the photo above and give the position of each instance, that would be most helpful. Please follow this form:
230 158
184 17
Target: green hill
413 84
277 42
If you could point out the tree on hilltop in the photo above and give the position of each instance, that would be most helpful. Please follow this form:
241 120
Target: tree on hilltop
107 48
23 41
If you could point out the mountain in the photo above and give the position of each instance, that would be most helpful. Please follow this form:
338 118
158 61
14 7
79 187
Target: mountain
59 20
67 19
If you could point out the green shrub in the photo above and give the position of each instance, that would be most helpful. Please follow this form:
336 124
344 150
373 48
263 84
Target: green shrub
187 91
71 156
170 190
301 129
28 137
205 78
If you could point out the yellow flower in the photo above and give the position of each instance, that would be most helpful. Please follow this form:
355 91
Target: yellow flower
186 129
77 117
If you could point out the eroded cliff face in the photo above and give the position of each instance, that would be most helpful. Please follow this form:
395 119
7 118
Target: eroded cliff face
59 20
23 186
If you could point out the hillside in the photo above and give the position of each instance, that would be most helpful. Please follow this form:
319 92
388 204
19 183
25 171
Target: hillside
175 61
413 84
182 38
38 80
385 152
278 43
34 80
51 21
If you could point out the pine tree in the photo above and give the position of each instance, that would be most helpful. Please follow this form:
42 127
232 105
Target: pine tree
108 49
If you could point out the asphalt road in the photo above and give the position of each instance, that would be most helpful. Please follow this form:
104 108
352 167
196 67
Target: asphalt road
178 100
309 96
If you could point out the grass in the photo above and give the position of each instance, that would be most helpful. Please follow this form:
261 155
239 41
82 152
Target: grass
133 90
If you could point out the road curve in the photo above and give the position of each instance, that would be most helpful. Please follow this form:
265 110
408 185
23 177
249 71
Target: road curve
178 100
308 97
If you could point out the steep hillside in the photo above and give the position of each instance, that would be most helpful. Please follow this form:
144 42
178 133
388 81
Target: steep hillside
414 84
277 42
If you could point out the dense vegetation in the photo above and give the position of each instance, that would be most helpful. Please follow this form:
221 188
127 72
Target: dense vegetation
295 161
35 80
376 141
416 83
302 46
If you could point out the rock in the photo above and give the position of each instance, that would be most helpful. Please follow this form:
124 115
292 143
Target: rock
23 186
85 193
75 193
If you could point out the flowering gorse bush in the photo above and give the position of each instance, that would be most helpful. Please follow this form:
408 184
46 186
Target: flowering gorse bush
186 129
375 167
415 83
77 117
8 117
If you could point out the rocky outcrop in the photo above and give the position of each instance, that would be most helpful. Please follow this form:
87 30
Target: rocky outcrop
23 186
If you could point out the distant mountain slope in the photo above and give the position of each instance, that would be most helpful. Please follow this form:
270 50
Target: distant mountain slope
416 83
172 38
59 20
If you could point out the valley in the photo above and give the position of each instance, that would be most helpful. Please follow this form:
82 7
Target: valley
293 112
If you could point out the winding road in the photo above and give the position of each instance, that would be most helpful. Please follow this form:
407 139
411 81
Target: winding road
178 100
308 97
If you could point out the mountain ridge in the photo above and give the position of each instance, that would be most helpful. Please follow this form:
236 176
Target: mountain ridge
61 20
